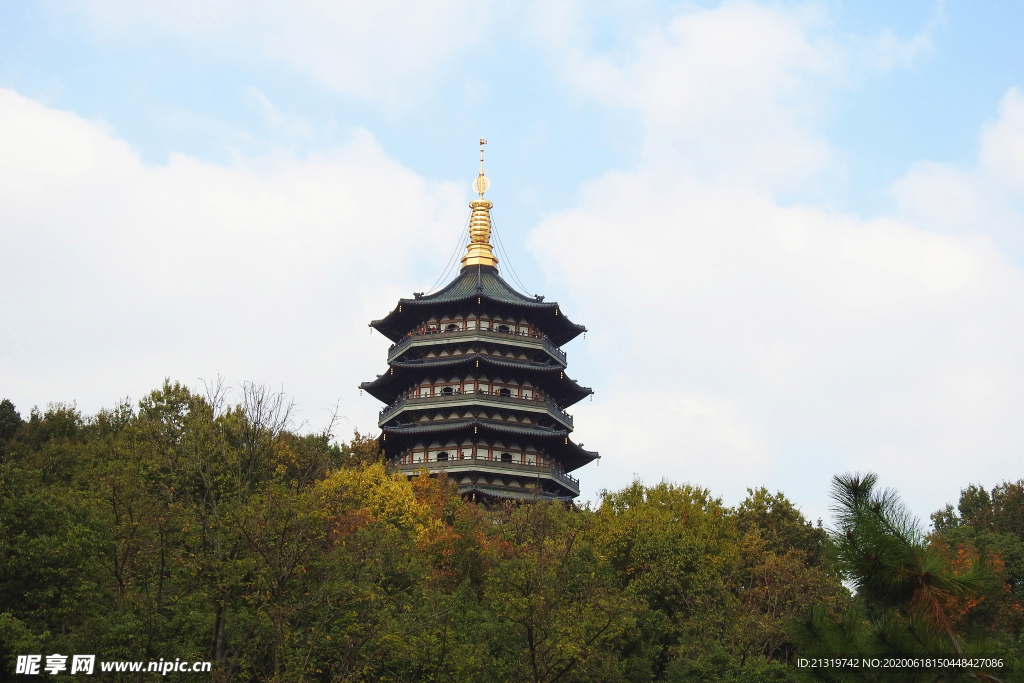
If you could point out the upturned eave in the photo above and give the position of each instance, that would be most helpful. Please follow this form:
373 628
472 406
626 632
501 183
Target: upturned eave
478 284
562 389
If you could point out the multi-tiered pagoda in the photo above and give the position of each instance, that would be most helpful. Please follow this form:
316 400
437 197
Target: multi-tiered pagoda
476 383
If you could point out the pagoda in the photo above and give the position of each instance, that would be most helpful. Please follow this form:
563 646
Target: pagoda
476 384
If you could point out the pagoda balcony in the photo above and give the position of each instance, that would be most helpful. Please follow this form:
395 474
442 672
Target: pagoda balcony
481 466
511 338
476 398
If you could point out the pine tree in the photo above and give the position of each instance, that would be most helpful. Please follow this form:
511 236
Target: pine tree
904 588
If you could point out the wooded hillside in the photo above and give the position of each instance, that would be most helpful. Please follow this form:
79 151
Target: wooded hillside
188 526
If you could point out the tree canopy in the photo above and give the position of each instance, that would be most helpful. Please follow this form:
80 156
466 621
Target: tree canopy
187 526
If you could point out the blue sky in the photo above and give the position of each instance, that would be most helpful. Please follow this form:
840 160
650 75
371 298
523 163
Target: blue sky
793 228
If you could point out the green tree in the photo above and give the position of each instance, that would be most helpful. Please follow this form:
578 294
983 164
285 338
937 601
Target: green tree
362 450
557 612
782 526
51 574
673 548
10 423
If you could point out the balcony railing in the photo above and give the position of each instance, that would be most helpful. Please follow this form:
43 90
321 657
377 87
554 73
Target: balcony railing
512 467
489 396
444 335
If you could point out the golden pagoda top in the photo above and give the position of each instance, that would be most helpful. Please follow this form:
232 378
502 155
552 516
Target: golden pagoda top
478 252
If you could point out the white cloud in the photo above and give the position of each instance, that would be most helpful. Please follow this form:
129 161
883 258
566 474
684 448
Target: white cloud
985 199
117 273
746 342
889 51
1002 144
378 51
731 328
727 93
292 126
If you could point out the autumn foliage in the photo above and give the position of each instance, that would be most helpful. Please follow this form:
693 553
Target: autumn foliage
193 526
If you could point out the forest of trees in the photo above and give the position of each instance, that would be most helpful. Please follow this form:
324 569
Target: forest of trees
194 527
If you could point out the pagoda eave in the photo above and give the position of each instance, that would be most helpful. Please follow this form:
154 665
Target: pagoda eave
473 475
387 387
557 441
476 286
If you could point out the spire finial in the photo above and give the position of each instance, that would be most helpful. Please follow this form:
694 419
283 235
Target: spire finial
479 252
482 182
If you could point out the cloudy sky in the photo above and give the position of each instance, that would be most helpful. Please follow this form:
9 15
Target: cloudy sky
794 229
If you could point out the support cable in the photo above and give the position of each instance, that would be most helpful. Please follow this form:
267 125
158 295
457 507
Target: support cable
501 246
461 244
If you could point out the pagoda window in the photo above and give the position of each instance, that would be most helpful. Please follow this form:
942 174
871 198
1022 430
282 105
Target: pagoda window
503 328
442 456
452 327
447 391
504 391
506 457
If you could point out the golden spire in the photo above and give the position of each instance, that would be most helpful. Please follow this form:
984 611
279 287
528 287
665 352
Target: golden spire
479 250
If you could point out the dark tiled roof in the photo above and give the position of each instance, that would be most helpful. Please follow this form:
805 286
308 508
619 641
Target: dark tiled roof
512 495
562 389
453 425
567 452
517 363
479 282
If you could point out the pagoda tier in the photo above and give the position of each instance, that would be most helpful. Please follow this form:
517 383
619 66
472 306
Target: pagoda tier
469 372
475 434
479 286
476 385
